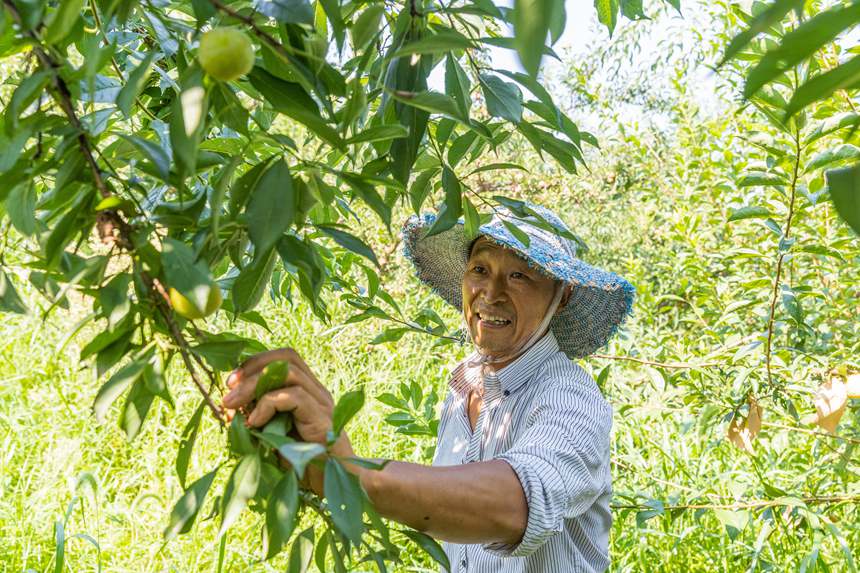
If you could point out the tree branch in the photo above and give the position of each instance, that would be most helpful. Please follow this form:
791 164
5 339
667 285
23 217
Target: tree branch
746 504
160 298
107 221
678 365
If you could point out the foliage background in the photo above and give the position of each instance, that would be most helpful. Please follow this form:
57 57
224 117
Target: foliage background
654 207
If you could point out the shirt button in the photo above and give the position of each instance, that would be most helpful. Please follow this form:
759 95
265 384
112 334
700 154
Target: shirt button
507 392
463 563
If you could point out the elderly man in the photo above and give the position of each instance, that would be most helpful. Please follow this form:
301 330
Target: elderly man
521 478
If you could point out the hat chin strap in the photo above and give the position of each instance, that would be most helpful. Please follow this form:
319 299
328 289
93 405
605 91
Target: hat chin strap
528 342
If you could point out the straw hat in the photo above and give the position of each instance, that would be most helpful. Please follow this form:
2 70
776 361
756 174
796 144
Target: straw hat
599 301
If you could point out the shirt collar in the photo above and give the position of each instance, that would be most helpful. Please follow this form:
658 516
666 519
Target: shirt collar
508 379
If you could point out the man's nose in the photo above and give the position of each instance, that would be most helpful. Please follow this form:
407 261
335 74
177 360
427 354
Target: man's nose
494 290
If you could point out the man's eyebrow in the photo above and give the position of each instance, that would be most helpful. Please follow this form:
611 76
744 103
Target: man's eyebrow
484 247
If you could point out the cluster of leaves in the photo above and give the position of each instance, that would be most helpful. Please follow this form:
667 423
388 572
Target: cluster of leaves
798 67
753 278
192 184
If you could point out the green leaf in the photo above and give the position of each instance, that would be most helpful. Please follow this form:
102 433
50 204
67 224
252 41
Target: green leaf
844 187
379 133
350 242
632 9
408 76
221 355
831 124
792 305
26 92
602 377
756 178
504 99
116 385
239 436
136 82
430 547
21 207
800 43
734 521
299 454
153 152
764 20
249 286
347 406
532 19
345 500
136 407
366 190
445 40
286 11
273 377
421 187
390 335
829 156
63 20
9 299
607 13
272 208
453 207
187 122
186 443
241 487
301 552
184 273
281 510
846 76
497 167
518 233
471 219
290 99
749 212
457 85
538 90
563 152
432 102
366 26
186 509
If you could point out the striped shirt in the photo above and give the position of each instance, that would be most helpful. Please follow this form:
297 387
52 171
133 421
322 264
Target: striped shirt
545 416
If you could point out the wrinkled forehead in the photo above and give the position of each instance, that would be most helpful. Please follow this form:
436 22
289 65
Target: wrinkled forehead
482 246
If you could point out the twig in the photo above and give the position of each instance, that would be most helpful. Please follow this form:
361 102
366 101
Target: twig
259 32
811 432
785 235
158 296
678 365
744 505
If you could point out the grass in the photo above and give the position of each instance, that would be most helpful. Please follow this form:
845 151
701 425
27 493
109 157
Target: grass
669 427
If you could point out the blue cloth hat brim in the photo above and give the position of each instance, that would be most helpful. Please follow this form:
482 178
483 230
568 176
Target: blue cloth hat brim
599 301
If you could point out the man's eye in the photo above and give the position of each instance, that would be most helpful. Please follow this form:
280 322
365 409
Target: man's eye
518 275
478 269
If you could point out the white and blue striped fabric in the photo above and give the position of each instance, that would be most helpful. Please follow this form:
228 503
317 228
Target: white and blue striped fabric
546 417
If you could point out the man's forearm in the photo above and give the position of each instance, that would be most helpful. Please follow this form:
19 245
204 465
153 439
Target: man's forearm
480 502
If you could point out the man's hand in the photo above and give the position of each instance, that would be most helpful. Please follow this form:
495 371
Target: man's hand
303 395
309 401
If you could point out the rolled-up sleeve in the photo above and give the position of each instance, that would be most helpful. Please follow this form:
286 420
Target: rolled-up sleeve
561 459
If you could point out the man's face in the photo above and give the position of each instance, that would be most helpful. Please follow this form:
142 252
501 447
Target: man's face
498 284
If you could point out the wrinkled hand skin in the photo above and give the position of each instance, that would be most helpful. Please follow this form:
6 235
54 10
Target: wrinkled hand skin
310 403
